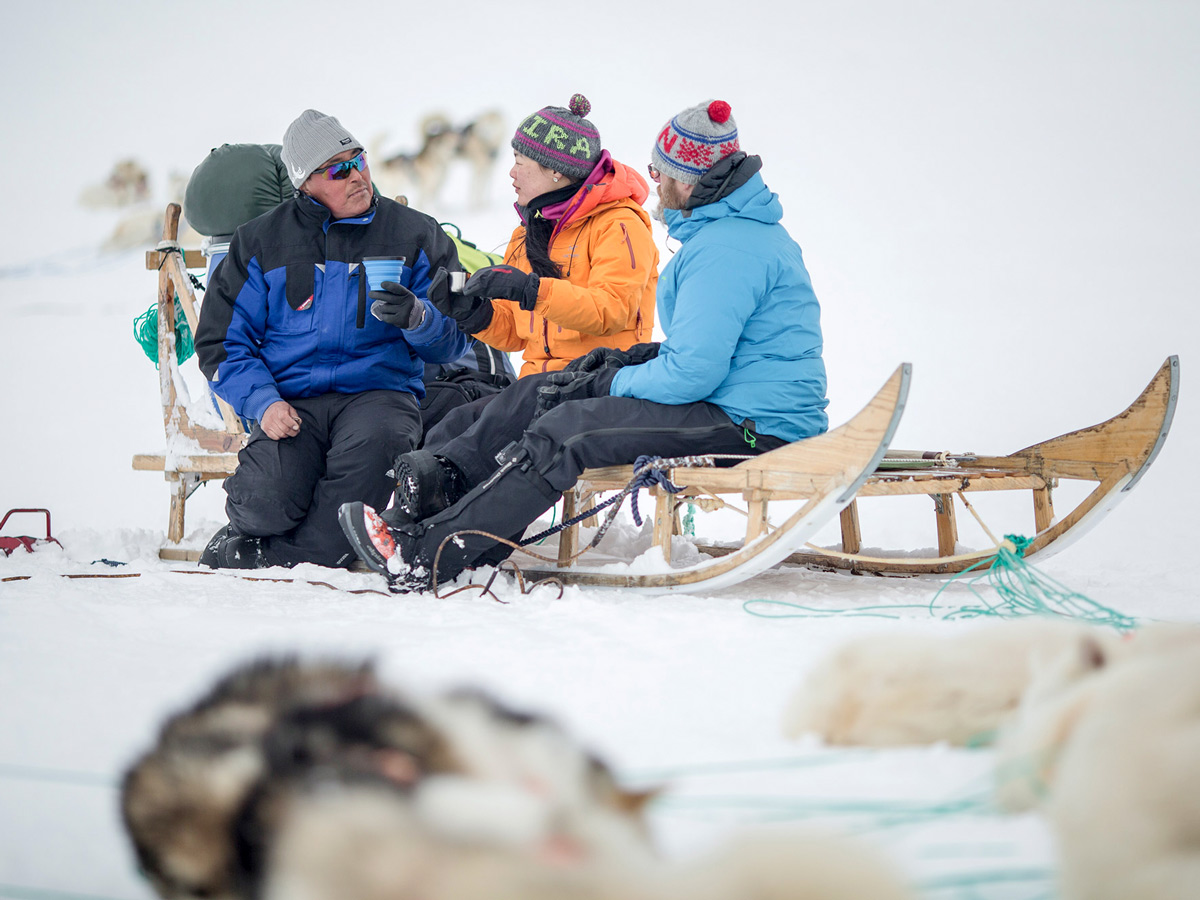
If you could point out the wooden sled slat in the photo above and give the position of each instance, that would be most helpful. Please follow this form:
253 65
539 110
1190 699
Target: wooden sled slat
827 470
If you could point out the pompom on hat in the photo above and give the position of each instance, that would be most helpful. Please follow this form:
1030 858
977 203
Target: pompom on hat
695 140
561 139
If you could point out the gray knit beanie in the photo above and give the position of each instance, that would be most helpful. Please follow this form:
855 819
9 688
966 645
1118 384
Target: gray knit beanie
695 140
561 139
310 140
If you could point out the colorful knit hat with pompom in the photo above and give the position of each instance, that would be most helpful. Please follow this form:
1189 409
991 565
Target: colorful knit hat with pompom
695 140
561 139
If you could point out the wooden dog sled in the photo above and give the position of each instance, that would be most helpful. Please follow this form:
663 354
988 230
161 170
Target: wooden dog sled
829 473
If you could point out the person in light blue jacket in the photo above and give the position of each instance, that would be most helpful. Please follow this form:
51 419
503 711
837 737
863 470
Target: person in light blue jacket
739 373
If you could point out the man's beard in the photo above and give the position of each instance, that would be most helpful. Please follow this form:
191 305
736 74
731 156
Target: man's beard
668 198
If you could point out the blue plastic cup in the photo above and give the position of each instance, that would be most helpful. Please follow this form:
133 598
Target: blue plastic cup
382 268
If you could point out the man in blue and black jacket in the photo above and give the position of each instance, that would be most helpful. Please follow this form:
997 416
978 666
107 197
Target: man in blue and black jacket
291 337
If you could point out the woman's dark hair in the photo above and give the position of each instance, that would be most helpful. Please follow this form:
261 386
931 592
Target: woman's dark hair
538 230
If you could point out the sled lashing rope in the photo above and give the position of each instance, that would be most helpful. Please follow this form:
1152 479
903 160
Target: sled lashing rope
648 471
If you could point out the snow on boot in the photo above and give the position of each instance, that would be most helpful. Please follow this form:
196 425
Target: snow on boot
228 549
368 534
384 548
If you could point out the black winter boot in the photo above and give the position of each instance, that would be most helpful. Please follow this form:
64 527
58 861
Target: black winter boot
515 495
228 549
425 484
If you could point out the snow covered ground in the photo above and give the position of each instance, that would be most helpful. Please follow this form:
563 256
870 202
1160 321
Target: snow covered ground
1004 196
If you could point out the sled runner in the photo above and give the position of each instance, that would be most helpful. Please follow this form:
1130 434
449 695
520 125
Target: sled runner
832 471
823 471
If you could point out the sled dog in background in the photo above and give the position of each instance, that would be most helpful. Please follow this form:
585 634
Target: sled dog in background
126 185
897 689
422 175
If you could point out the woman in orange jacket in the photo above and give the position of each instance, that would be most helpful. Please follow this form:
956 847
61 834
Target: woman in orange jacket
579 274
581 268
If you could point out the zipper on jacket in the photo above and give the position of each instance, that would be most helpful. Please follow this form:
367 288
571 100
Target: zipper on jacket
361 321
629 244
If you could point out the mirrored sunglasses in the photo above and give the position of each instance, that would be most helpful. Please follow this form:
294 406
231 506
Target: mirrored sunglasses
338 171
654 173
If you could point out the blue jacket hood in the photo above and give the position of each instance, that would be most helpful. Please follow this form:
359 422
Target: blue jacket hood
753 200
742 323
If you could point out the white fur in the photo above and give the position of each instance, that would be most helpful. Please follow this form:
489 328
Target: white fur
897 689
1058 698
362 845
556 774
1125 803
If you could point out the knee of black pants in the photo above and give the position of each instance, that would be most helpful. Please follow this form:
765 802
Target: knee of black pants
265 506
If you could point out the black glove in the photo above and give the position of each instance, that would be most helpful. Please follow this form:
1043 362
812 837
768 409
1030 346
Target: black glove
473 314
506 283
397 305
563 386
642 353
611 358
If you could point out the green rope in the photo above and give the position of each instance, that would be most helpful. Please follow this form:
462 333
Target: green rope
976 879
20 892
883 814
689 520
56 776
1022 589
553 518
145 332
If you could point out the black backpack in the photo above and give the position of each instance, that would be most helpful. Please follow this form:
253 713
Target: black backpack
482 370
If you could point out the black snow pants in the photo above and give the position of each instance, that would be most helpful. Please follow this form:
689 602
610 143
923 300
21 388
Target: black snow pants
289 491
545 456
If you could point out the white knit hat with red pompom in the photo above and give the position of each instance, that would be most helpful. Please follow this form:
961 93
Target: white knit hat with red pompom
695 140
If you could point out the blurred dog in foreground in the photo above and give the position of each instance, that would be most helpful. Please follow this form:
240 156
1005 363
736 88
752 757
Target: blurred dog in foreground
313 781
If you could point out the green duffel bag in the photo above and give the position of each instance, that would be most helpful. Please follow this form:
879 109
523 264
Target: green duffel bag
234 184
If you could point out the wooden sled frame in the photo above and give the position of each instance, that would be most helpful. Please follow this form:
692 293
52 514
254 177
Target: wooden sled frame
1114 455
194 453
826 471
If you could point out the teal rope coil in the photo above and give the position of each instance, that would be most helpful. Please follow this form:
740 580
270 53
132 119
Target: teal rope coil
145 332
1022 589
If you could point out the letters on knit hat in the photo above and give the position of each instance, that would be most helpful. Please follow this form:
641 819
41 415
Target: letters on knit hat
695 140
561 139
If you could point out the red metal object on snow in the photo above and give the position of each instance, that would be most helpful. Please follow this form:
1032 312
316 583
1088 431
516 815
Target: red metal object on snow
9 544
